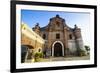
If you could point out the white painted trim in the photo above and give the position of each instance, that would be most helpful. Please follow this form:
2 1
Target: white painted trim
53 47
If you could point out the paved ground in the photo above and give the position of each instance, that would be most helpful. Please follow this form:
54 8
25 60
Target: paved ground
66 58
61 59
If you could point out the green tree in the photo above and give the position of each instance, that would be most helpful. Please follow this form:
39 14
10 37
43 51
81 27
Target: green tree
87 48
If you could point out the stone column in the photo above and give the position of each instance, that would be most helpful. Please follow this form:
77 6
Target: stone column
49 43
79 41
65 40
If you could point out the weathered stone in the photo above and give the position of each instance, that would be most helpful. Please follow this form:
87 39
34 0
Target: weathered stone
57 31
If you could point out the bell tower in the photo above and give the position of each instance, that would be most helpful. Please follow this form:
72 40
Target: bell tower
37 28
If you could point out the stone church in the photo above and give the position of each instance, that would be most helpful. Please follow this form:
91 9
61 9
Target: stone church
60 39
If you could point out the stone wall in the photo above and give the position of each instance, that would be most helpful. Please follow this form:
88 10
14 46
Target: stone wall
72 46
70 37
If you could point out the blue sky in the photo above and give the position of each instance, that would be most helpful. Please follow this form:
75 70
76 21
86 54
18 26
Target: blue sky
31 17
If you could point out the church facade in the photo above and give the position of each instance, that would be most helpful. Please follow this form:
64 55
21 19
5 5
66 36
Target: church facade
60 39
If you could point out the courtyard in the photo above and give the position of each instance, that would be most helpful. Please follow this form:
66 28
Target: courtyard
66 58
51 59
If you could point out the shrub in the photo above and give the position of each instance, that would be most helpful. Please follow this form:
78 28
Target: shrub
37 56
82 52
41 55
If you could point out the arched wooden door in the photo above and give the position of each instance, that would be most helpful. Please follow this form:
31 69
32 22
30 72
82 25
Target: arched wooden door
57 50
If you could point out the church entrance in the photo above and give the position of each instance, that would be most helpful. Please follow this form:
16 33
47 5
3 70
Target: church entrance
57 50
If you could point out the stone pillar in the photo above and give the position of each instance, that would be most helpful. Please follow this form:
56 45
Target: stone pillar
49 39
79 41
65 40
49 43
78 38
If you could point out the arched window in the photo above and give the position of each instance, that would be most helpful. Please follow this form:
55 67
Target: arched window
70 36
39 50
44 36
